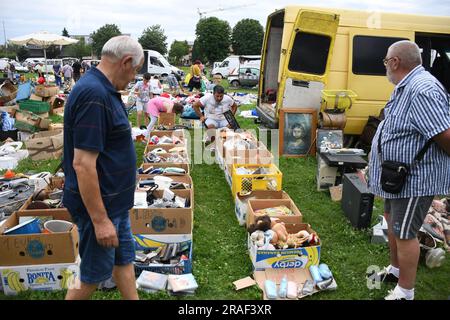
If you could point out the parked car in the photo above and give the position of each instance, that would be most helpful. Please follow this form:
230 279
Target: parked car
3 64
232 62
18 66
246 77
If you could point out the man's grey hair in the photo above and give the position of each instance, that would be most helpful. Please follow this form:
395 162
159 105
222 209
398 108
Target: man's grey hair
118 47
408 52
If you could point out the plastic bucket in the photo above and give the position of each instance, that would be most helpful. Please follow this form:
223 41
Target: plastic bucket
27 227
163 182
56 226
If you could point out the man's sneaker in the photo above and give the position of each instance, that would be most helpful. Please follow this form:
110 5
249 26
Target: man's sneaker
396 294
384 276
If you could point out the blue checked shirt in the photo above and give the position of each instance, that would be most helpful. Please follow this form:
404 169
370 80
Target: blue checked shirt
418 110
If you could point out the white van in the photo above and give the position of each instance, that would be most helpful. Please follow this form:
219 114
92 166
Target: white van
155 64
233 62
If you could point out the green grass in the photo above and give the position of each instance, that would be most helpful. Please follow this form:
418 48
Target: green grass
220 255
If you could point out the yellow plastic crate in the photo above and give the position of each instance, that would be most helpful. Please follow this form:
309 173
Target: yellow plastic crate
338 99
245 183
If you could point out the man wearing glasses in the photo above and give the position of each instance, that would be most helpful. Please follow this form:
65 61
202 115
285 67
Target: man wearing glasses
417 112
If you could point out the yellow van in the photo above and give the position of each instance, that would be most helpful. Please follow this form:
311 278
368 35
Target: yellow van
307 50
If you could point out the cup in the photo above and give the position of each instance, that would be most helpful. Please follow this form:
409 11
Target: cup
56 226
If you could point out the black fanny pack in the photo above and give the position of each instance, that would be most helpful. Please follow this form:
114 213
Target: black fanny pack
394 173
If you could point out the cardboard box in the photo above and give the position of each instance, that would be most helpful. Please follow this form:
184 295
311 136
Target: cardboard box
58 112
184 166
37 98
302 257
56 103
241 202
45 145
166 119
55 126
176 178
163 220
27 117
224 135
46 91
257 204
169 133
39 248
47 277
191 123
299 276
167 147
251 156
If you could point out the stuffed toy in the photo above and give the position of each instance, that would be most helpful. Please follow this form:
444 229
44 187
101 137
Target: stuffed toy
279 228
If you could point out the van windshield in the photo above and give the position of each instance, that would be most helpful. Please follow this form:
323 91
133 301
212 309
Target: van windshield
310 53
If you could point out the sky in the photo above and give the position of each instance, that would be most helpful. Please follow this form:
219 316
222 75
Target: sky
177 18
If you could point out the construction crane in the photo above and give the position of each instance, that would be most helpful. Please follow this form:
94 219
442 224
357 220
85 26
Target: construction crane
202 13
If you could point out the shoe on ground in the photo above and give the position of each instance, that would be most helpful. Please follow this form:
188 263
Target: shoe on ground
396 294
384 276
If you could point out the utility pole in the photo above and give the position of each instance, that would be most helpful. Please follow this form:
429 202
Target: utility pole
4 34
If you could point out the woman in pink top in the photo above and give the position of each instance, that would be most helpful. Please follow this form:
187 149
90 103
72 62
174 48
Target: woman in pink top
160 104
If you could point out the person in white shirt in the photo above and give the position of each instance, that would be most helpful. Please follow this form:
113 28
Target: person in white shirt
155 87
215 106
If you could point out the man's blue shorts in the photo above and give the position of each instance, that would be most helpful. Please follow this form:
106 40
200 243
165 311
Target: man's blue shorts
97 262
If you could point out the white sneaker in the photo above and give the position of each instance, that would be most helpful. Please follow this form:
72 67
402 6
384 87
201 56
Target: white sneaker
396 294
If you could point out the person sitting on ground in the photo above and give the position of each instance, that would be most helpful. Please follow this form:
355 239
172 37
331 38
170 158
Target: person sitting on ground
196 74
142 91
157 105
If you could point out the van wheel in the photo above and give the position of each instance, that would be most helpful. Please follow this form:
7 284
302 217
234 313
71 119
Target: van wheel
219 75
235 84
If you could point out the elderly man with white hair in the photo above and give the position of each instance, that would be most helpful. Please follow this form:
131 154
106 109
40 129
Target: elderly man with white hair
100 169
409 162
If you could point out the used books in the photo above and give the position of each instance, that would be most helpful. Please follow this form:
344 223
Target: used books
182 283
152 280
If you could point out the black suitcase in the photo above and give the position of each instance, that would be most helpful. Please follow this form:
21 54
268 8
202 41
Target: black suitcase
357 201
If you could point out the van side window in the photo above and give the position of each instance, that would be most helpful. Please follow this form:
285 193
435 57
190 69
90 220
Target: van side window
225 64
368 54
309 53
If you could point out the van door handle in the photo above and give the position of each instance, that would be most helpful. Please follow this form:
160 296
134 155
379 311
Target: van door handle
298 83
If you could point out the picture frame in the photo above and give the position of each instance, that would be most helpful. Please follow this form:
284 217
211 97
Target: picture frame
297 132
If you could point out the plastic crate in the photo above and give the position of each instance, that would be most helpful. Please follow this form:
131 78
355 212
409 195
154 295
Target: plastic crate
245 183
338 99
34 106
183 267
23 126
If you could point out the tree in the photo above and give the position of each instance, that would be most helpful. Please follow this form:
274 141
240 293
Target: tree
196 54
65 33
153 38
178 50
78 50
213 38
102 35
247 37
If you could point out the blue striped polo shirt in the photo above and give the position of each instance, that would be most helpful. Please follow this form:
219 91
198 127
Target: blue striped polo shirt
95 119
417 111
